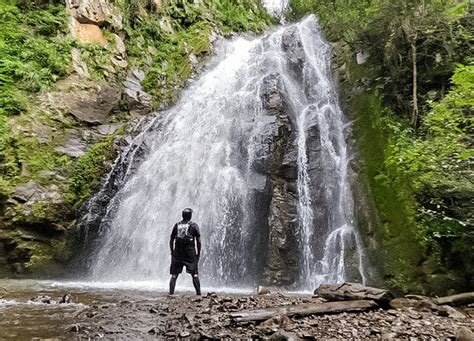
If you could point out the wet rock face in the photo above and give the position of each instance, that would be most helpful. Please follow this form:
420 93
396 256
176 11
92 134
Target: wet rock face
292 45
282 255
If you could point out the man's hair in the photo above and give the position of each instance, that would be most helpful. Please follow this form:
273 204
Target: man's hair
187 214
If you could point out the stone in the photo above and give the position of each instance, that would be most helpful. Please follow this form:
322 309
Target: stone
261 290
136 98
74 146
464 334
271 93
88 33
97 12
193 60
41 299
99 106
293 47
166 26
362 56
389 336
280 321
274 157
76 328
284 336
119 45
28 191
138 74
107 129
67 298
79 66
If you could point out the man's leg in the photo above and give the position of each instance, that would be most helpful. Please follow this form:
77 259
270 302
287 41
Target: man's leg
197 284
173 283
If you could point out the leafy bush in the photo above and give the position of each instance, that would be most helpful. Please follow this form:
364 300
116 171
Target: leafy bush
88 171
32 57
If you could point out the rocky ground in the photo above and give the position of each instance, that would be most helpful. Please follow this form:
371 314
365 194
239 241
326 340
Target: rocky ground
131 315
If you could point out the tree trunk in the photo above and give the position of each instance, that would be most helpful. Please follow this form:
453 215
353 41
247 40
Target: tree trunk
414 117
353 291
303 310
459 299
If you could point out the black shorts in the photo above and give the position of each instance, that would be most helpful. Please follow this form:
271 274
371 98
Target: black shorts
177 264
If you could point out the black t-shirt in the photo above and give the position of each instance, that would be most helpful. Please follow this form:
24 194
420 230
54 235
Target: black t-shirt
184 234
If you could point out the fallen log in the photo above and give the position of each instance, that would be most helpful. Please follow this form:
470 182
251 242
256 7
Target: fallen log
353 291
303 310
456 300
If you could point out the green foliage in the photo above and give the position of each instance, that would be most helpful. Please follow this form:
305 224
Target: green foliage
420 175
395 203
441 153
97 58
88 171
32 56
440 41
422 181
341 19
240 15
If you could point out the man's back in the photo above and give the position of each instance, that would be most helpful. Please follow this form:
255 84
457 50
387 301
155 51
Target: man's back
185 239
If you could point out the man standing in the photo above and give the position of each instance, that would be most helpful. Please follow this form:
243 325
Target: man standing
183 251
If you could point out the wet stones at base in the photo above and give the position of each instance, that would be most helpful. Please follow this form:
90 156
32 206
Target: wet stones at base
185 316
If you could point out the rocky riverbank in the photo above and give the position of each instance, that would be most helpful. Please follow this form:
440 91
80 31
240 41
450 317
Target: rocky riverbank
98 313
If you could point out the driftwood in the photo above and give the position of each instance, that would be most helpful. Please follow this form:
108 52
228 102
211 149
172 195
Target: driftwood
456 300
302 310
353 291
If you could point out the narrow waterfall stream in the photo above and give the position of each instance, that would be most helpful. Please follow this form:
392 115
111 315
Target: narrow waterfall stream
219 150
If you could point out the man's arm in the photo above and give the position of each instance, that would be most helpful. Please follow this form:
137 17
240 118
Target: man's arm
172 238
197 235
198 244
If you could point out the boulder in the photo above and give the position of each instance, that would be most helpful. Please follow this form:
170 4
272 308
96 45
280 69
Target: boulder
99 106
286 336
271 94
87 33
107 129
136 98
278 321
293 47
353 291
78 64
74 146
261 290
418 304
27 192
97 12
41 299
464 334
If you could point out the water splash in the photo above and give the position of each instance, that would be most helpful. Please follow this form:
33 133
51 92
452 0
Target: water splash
276 8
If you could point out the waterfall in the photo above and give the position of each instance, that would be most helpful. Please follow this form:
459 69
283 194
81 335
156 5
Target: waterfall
276 8
214 152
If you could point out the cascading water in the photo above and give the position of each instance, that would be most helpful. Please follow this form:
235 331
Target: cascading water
276 8
209 155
